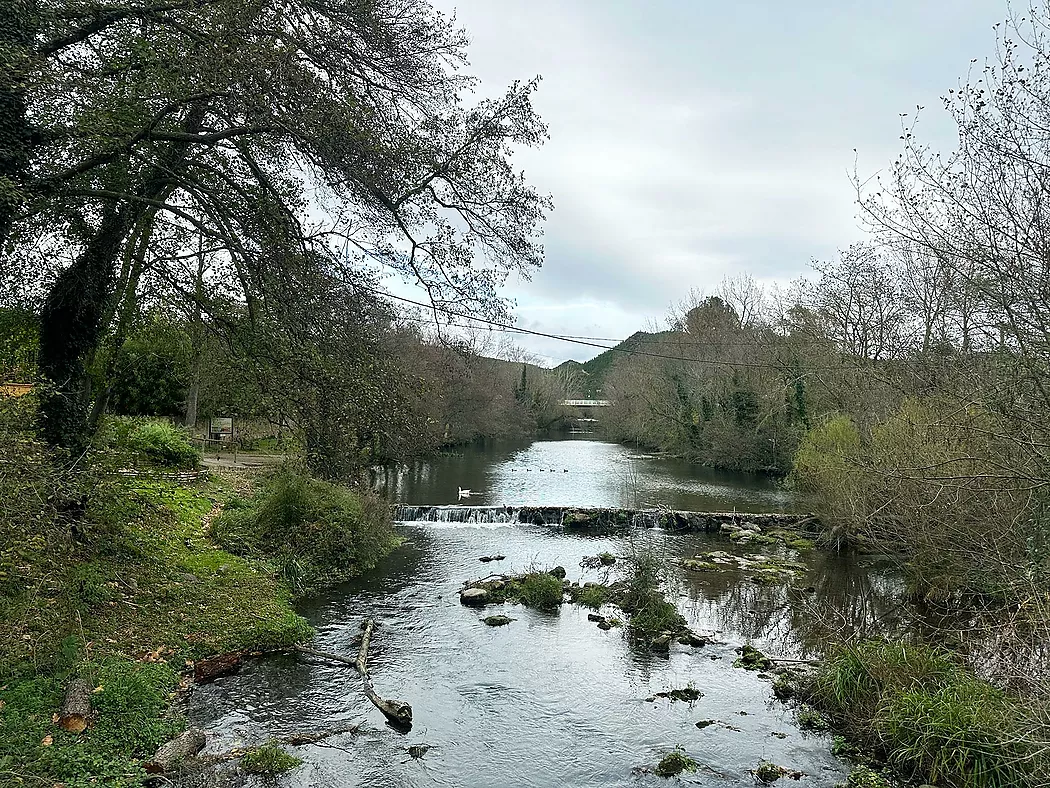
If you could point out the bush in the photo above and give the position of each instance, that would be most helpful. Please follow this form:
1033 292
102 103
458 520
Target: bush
541 591
318 533
270 758
922 710
643 599
155 442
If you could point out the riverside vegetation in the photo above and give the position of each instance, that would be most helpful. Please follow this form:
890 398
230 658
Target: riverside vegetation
142 579
159 258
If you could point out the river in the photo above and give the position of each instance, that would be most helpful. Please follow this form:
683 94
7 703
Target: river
550 699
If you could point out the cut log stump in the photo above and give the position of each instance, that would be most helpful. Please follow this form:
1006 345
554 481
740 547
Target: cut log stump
76 709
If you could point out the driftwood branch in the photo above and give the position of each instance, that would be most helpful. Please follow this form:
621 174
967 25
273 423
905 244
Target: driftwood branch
397 712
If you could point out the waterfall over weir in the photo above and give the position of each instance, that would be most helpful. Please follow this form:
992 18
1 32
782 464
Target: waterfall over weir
588 517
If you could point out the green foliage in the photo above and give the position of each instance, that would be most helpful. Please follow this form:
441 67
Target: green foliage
150 371
926 713
828 475
593 596
318 533
270 758
644 576
676 762
540 590
18 345
154 442
131 719
865 777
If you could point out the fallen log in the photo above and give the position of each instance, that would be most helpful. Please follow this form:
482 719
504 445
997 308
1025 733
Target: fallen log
183 752
205 670
76 708
397 712
174 753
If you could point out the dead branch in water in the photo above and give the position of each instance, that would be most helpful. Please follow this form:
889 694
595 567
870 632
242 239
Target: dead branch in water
397 712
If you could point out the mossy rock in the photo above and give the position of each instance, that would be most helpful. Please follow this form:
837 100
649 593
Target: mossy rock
497 621
674 763
752 659
769 772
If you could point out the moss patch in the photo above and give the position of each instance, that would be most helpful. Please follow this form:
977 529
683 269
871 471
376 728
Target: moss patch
270 758
674 763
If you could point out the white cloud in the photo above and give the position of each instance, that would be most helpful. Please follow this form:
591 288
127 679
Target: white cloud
697 139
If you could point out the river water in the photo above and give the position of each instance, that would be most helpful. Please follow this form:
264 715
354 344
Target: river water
549 700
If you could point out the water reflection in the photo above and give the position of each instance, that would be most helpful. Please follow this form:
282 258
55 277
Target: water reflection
549 699
576 472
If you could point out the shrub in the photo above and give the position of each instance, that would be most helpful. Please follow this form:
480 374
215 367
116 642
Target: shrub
155 442
270 758
318 533
643 599
925 713
593 596
541 591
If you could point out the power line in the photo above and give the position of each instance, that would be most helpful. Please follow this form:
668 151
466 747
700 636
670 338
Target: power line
586 343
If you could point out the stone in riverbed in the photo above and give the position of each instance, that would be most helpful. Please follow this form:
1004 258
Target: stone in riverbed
473 596
497 621
558 572
595 617
486 558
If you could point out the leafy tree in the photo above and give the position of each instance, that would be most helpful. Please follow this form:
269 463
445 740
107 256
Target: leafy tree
166 128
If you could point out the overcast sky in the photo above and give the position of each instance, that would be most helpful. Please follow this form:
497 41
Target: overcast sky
695 139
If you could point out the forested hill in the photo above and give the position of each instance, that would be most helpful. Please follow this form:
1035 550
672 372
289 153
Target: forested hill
592 373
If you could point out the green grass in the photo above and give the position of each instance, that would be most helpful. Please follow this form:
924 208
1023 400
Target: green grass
130 721
926 714
540 590
115 580
270 758
593 597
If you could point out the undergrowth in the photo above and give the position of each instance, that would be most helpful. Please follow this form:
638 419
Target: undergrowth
927 715
316 533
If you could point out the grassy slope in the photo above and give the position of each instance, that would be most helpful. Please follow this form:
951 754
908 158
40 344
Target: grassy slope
159 596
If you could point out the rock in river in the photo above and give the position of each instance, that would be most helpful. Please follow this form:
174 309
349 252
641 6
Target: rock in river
474 596
497 621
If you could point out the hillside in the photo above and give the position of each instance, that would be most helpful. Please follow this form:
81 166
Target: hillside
594 372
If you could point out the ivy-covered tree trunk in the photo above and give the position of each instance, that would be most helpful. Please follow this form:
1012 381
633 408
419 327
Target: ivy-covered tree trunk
17 24
73 317
70 327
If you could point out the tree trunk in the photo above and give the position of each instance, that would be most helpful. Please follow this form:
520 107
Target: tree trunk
70 327
76 710
71 321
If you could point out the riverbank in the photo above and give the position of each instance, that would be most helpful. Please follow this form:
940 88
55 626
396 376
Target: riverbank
133 591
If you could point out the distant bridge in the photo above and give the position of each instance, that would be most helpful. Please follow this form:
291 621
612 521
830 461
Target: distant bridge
586 403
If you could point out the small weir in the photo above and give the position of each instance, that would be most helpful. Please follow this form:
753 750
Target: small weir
596 517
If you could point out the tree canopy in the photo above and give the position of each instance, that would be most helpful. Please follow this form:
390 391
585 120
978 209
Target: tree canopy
222 152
